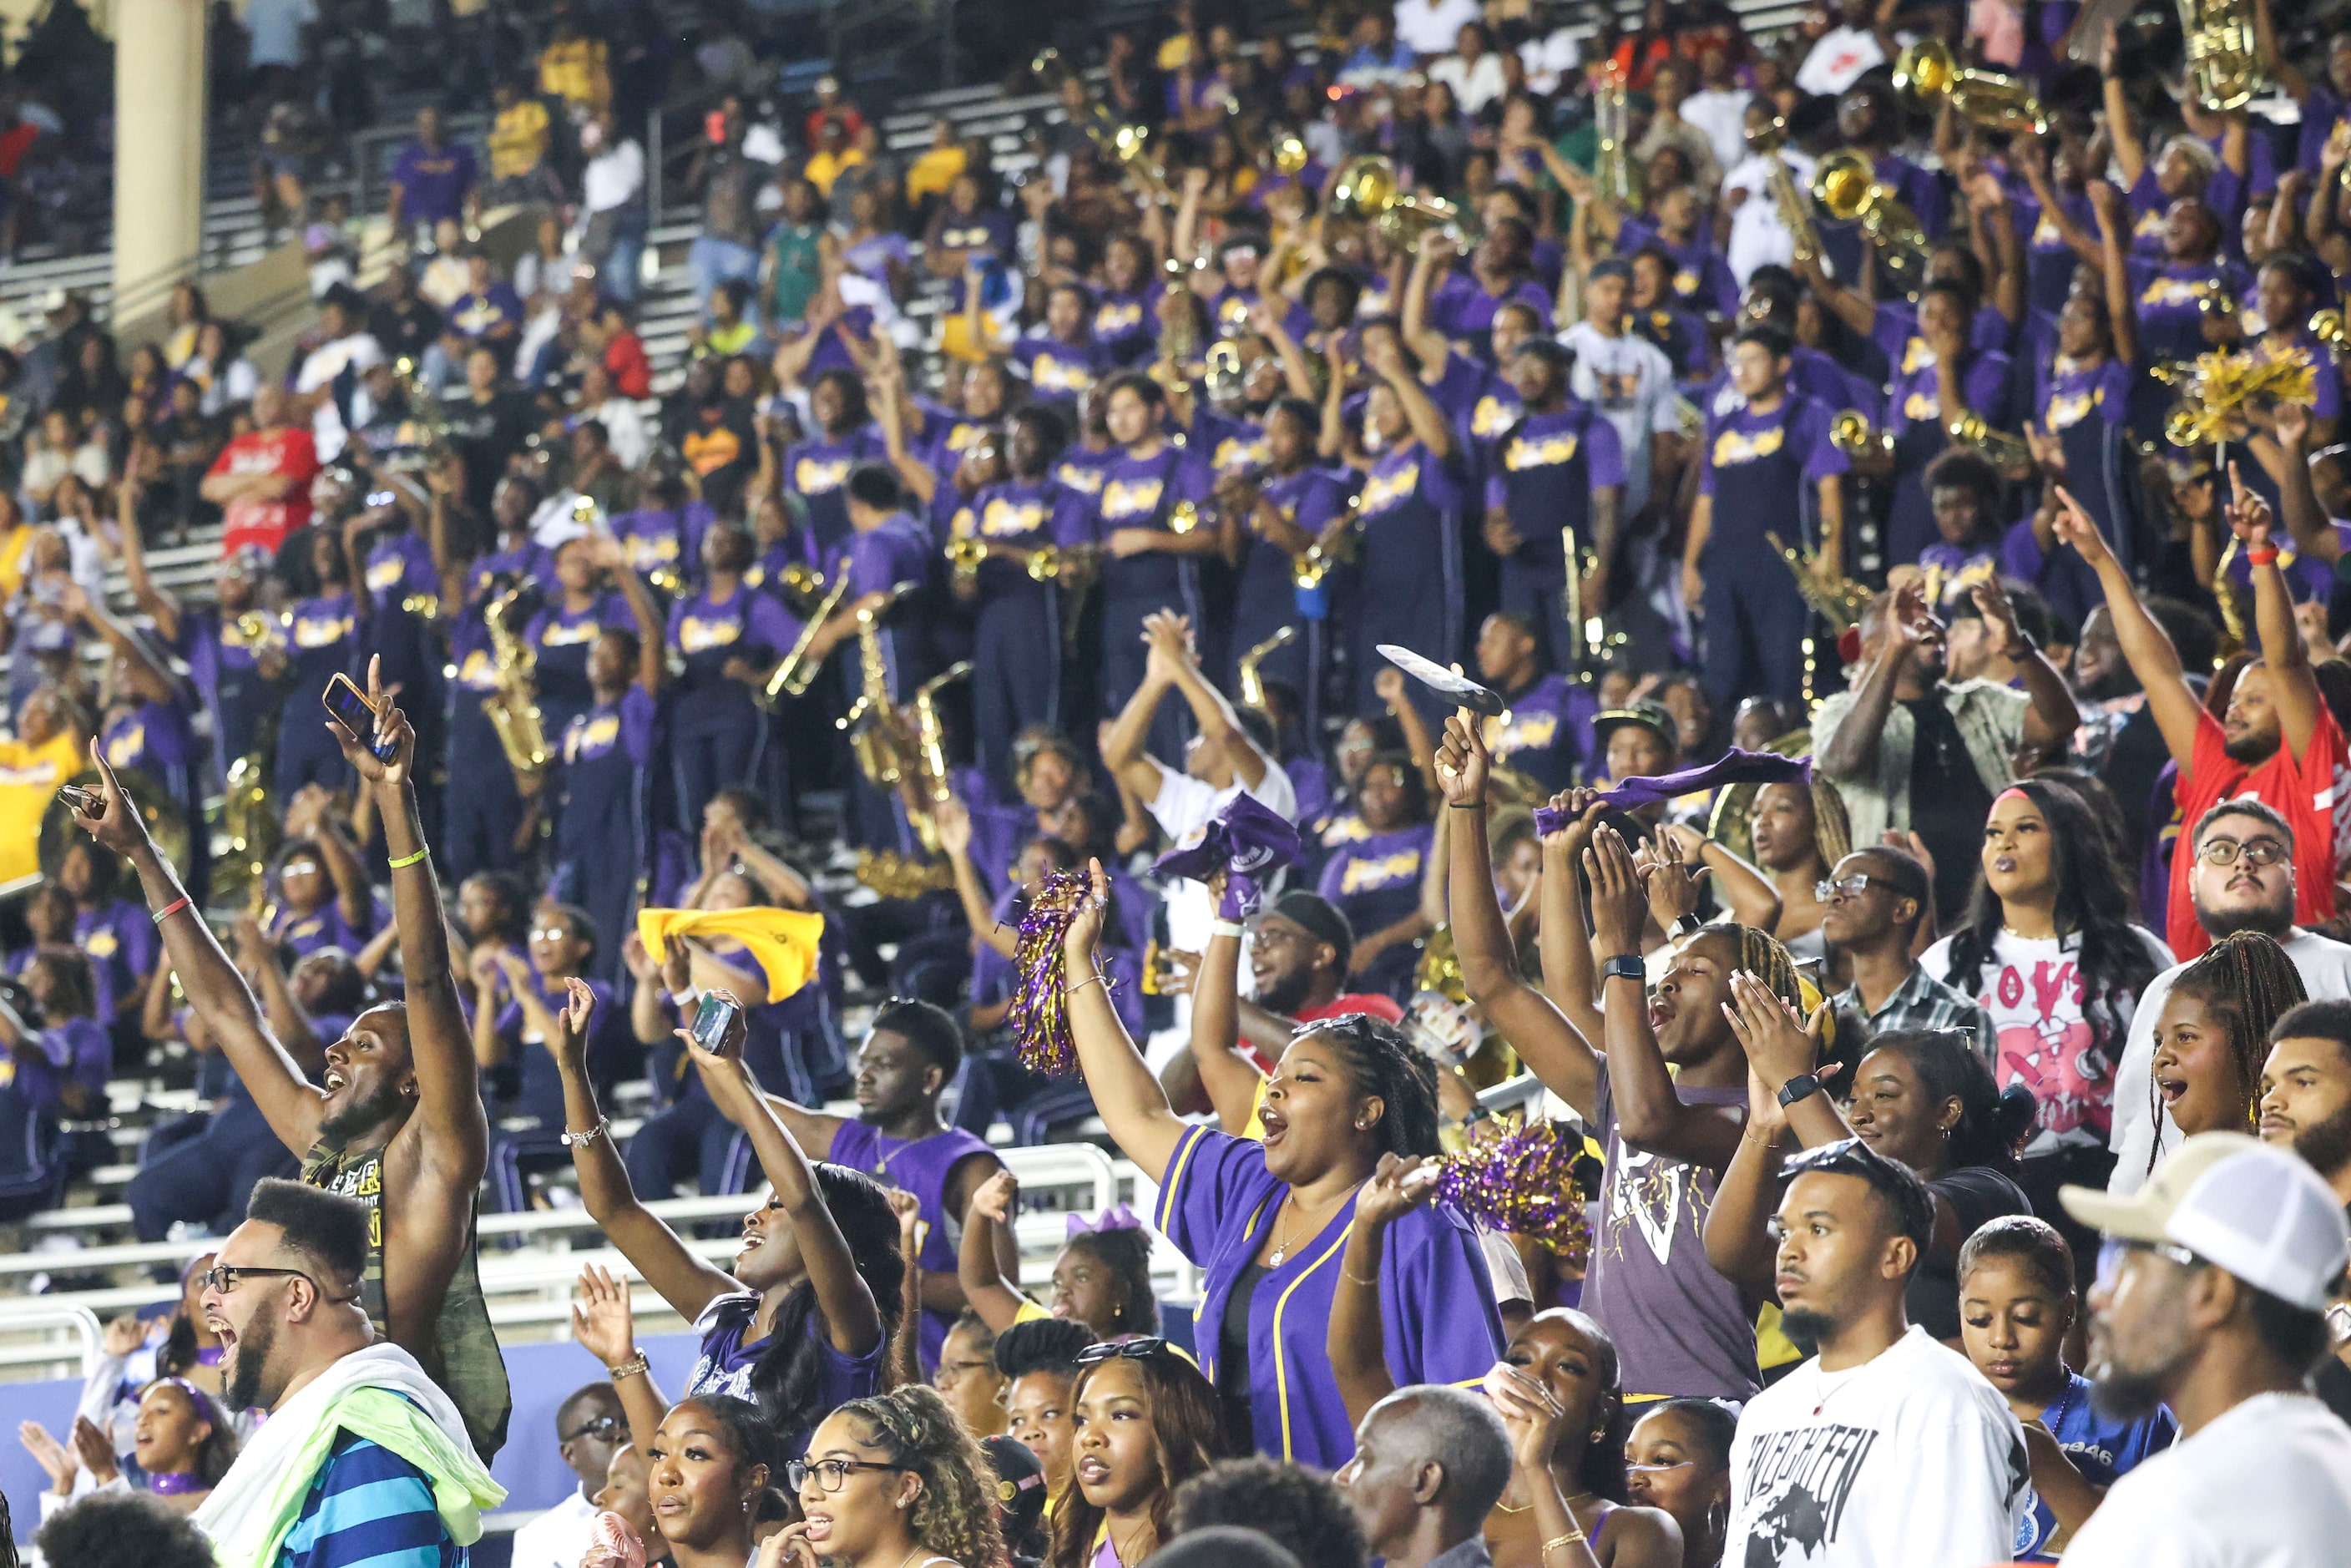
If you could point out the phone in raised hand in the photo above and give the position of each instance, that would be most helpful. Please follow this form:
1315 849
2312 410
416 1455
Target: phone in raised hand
711 1019
347 703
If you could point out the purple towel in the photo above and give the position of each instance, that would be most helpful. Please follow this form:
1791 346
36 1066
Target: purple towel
1250 841
1734 766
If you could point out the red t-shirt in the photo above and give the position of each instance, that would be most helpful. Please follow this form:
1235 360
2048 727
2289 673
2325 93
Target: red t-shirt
631 371
2309 793
288 451
1385 1009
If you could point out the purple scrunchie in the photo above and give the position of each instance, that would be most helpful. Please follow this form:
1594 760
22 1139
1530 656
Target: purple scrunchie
1734 766
1250 841
1118 1217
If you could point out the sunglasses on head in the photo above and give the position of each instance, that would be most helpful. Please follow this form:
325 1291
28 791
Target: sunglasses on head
1124 1350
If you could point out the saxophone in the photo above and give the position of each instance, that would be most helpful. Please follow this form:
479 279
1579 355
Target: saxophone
1795 216
513 707
878 733
1839 600
929 789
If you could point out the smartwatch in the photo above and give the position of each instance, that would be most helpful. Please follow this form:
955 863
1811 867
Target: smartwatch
1688 925
1624 967
1802 1086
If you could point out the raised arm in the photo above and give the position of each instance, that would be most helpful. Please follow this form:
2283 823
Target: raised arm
1553 1048
1858 313
1123 749
2314 532
1428 425
214 989
2146 647
2112 211
1744 891
2052 717
684 1280
994 1295
1429 259
1359 1362
2294 688
853 1320
1570 977
1227 1076
1132 1104
159 607
954 837
1170 636
1850 751
2122 125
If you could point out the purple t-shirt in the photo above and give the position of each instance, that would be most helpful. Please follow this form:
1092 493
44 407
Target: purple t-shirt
303 935
1059 372
1460 306
74 1052
656 540
627 723
923 1167
120 943
1545 732
1544 474
2169 297
725 1363
400 566
433 184
1680 1328
1376 881
1702 280
494 310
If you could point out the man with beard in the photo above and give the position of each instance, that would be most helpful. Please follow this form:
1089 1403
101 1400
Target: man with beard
899 1139
1886 1450
2306 1107
1915 752
398 1123
2242 856
2211 1296
2118 738
1298 956
2277 742
362 1459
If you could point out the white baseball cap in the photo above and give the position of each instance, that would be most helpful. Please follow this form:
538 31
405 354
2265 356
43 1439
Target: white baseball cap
2241 1205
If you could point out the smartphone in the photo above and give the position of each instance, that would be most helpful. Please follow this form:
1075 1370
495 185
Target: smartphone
345 702
712 1020
713 126
89 802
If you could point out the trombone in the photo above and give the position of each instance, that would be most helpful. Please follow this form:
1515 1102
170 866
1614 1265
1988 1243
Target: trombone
1795 216
1367 190
1845 187
798 672
2005 451
1997 102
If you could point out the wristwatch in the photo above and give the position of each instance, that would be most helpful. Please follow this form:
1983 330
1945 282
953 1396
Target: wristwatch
1802 1086
1687 926
2025 643
1626 967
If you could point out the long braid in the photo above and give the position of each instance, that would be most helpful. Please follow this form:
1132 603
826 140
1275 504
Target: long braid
1832 830
2248 979
1760 955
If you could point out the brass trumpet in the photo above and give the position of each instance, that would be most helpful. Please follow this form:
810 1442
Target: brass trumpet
1129 147
1845 187
798 672
1852 434
1997 102
1252 684
2004 450
1367 190
964 553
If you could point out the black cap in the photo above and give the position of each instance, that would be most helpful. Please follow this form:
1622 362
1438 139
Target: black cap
1319 918
1019 1484
1653 716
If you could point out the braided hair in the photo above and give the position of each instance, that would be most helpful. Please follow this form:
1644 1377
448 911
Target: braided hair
2246 980
785 1379
1386 1064
1832 829
955 1513
1761 955
2113 962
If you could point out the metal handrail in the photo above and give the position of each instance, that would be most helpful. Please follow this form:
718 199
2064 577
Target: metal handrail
59 1314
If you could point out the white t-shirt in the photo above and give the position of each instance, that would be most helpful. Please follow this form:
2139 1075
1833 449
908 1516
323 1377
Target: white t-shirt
558 1538
1548 58
2265 1485
2139 1140
1474 87
1182 809
355 353
613 177
1909 1460
1839 60
1433 27
624 425
1721 113
1631 382
1757 237
2032 990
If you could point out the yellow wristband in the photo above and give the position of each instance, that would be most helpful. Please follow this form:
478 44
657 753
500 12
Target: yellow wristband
405 861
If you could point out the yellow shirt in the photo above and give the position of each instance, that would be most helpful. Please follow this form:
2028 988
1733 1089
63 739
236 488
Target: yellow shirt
518 140
576 71
933 172
16 546
29 777
826 167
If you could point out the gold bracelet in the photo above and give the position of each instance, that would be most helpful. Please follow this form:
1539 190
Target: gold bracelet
1354 1280
1570 1539
628 1369
1749 1135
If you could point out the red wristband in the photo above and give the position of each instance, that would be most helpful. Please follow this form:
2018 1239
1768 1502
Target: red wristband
172 909
2260 557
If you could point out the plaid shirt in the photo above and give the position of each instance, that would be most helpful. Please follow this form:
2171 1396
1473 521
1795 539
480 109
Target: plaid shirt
1922 1002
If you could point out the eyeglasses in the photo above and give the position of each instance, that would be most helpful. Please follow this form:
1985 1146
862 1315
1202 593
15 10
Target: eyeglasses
605 1426
551 933
953 1372
223 1277
1124 1350
1852 886
832 1475
1657 1469
2113 1249
2256 852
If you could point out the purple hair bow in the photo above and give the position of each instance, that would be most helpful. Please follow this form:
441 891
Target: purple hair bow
1734 766
1249 841
1118 1217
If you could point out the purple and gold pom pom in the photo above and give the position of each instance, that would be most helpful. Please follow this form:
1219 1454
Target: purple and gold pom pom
1040 1008
1524 1182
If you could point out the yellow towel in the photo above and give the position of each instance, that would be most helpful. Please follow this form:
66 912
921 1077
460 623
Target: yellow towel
784 941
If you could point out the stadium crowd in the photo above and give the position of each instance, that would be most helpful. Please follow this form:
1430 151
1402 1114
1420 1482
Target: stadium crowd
992 617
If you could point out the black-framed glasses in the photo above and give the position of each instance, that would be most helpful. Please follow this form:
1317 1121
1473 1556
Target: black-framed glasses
223 1277
1142 1349
2256 852
605 1426
832 1475
1852 886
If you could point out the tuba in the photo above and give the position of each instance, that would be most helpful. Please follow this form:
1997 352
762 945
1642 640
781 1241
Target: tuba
513 707
2223 68
1845 187
1794 216
1997 102
798 672
1252 685
1366 190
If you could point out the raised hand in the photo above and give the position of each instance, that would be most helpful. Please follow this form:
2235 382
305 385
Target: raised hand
1397 1188
1084 934
602 1324
1674 884
1991 603
1462 761
730 1045
909 1210
2074 526
1388 687
392 727
1582 808
116 823
124 1337
1619 905
953 819
571 1042
1779 1044
2249 517
996 1197
95 1450
1531 1415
